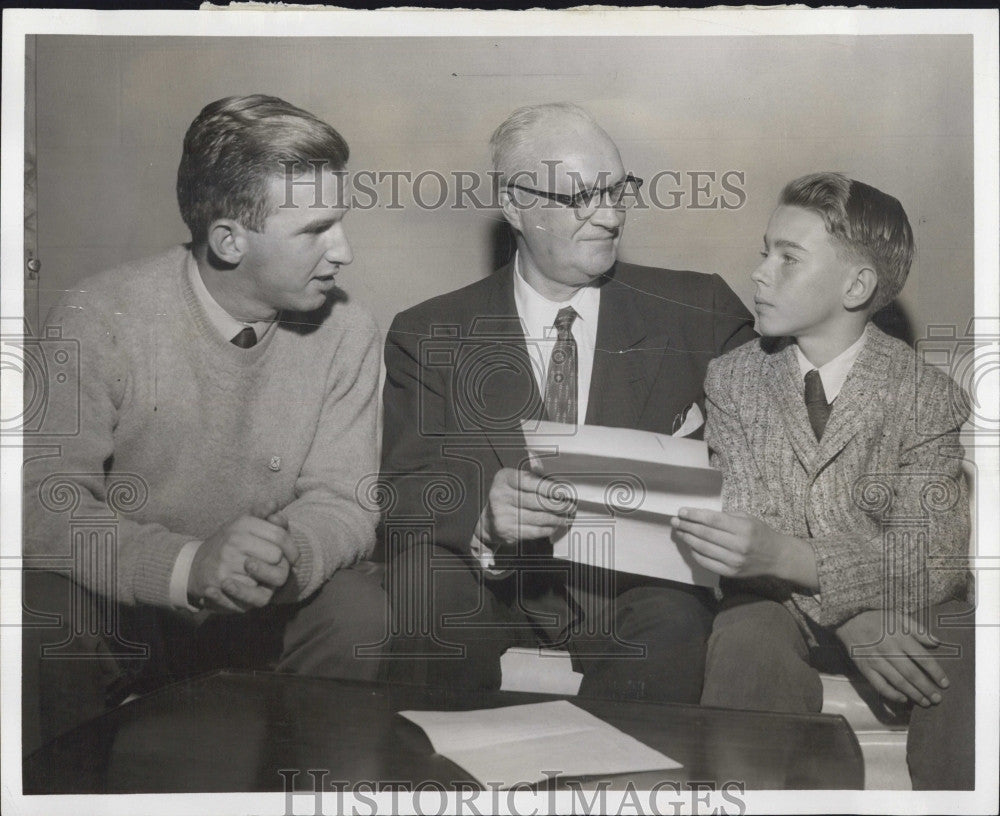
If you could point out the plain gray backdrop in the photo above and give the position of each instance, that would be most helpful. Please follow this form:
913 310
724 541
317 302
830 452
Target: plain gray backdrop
896 112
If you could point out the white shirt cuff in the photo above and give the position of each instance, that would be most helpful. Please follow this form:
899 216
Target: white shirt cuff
484 555
179 577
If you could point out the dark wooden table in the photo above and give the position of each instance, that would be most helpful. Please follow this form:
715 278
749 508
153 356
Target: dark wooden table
234 732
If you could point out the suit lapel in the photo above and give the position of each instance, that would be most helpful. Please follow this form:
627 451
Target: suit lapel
864 383
509 392
785 384
863 387
620 382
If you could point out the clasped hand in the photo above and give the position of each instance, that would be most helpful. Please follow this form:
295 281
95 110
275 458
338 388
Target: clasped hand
243 563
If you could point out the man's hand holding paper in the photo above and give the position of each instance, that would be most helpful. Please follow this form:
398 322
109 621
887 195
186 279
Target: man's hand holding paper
523 506
627 484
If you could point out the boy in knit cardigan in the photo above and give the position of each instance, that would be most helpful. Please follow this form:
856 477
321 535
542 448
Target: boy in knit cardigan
843 487
226 403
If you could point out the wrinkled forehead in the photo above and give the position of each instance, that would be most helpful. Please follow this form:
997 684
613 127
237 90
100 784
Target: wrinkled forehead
571 154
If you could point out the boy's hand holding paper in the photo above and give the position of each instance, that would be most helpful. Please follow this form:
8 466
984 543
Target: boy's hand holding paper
737 545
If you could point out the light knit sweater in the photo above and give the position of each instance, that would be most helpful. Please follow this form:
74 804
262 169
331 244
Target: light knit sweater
882 497
201 430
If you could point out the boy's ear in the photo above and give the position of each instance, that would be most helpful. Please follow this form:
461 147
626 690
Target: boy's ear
511 210
862 287
227 239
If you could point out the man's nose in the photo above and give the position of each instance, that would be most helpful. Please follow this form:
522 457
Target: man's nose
607 215
338 249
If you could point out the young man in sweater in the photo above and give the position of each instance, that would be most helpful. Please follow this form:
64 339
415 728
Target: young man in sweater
226 408
843 487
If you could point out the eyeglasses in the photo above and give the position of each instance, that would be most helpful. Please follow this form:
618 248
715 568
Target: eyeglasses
620 195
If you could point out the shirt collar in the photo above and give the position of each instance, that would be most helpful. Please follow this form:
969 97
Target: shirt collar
833 374
538 313
223 322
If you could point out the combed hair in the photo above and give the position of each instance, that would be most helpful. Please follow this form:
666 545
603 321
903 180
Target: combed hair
236 146
509 148
865 221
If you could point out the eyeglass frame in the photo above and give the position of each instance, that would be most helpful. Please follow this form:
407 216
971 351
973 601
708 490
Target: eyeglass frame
567 200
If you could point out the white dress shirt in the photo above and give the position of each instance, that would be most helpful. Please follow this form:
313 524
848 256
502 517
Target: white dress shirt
223 322
228 327
538 318
833 374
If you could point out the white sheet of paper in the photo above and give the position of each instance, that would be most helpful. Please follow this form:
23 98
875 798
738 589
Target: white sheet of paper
641 545
628 484
531 743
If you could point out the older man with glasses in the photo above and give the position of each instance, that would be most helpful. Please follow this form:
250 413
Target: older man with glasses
564 332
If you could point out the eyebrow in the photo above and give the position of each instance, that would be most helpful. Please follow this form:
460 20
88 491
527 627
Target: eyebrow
317 225
786 244
596 189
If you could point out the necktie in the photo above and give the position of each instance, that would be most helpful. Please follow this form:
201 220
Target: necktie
560 383
247 338
816 405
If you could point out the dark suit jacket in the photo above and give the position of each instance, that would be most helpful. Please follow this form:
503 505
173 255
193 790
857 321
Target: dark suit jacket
459 381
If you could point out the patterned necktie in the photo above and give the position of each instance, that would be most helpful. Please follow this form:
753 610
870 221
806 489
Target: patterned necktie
560 384
247 338
816 405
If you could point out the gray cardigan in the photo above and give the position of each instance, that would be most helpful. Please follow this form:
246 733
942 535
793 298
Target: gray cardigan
882 497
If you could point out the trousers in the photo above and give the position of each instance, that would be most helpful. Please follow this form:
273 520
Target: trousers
759 659
637 639
83 655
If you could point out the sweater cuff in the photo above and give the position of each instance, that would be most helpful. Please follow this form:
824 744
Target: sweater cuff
308 569
155 568
843 582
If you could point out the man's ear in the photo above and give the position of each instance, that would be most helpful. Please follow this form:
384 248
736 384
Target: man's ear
511 210
862 288
227 239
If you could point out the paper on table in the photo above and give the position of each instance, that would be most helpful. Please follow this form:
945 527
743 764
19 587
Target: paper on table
525 744
627 484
